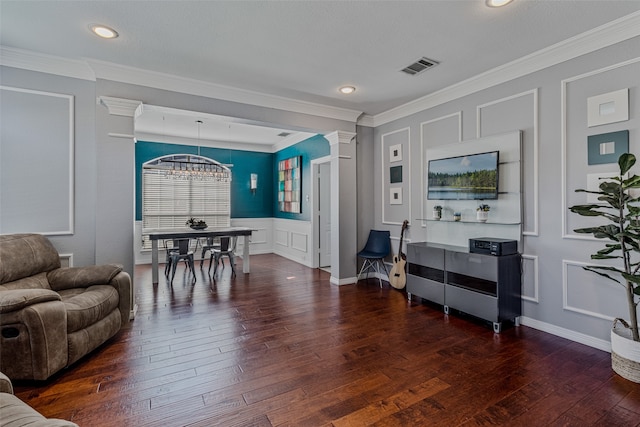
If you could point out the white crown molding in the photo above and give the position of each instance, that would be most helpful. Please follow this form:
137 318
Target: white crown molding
137 76
605 35
27 60
119 106
366 120
88 69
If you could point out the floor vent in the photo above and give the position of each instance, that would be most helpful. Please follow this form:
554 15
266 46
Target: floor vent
419 66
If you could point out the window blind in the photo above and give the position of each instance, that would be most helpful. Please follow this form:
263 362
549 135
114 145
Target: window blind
168 202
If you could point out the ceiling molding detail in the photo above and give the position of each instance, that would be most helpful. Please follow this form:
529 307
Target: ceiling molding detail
27 60
609 34
119 106
92 70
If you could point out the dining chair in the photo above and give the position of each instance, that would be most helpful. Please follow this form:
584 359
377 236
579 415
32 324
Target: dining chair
208 245
227 248
180 250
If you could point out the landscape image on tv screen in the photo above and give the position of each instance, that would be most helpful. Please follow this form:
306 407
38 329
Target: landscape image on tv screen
470 177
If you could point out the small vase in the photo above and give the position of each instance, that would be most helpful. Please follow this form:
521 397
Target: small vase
457 216
437 215
482 216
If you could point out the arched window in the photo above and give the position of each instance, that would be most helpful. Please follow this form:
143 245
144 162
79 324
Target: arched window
178 187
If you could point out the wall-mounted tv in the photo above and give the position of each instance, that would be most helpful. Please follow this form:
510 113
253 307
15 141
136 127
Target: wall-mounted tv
470 177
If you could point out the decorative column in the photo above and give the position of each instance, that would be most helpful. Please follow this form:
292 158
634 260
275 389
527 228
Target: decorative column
343 207
115 166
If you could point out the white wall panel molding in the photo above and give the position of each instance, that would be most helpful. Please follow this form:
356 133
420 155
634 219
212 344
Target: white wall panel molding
530 270
563 142
66 260
387 140
592 288
55 114
423 157
291 240
533 94
566 333
33 61
299 242
281 237
600 37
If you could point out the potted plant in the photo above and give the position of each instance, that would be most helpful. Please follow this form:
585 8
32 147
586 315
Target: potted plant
437 212
622 211
196 224
482 213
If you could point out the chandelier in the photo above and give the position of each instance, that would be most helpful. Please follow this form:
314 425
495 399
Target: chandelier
189 167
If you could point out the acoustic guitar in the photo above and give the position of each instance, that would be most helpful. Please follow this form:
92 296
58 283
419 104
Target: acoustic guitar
398 277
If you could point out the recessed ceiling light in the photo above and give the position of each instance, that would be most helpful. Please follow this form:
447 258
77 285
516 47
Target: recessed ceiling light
497 3
347 89
103 31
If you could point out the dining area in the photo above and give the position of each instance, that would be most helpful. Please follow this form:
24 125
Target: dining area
195 246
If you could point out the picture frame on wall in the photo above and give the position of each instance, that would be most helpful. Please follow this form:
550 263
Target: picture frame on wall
290 184
608 108
395 196
395 174
607 147
395 153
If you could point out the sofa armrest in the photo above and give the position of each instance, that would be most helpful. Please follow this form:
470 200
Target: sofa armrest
122 282
17 299
82 277
5 384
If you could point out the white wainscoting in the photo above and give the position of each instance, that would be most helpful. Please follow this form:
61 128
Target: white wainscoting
292 240
285 237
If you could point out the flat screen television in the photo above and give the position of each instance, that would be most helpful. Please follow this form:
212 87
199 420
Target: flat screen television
470 177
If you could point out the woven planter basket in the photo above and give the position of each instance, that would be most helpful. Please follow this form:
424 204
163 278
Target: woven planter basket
625 353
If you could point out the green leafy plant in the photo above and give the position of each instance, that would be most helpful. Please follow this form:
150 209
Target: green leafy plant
195 222
437 208
622 210
484 208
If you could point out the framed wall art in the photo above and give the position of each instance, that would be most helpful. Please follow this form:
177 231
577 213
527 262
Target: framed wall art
395 153
608 108
289 184
395 196
607 147
395 174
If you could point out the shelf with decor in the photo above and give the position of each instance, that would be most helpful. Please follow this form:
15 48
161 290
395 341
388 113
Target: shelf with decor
469 221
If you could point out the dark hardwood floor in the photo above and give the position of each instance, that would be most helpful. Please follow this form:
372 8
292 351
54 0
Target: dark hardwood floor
283 347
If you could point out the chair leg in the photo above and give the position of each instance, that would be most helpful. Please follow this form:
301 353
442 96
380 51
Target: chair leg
193 270
232 261
366 265
175 267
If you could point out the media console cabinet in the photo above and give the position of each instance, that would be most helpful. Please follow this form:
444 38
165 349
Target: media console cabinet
485 286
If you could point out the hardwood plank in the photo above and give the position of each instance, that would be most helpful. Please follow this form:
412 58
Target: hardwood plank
283 347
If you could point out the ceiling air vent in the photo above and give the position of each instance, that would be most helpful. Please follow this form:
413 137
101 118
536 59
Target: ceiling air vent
419 66
283 134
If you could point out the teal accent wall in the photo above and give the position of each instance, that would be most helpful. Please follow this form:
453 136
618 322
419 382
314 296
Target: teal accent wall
244 203
311 148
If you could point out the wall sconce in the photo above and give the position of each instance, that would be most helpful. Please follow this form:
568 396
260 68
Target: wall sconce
253 183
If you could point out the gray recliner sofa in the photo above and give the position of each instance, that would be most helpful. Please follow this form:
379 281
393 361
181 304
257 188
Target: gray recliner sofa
51 316
14 412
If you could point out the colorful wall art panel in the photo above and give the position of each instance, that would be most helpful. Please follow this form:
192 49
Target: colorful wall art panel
289 184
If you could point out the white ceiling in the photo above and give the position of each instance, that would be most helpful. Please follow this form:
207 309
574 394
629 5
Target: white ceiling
305 50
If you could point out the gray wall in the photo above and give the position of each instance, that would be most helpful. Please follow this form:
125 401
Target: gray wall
81 244
559 296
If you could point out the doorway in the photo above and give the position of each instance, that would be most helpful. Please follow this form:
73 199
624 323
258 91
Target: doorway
321 219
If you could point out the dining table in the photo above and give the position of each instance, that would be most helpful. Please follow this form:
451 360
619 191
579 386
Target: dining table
181 233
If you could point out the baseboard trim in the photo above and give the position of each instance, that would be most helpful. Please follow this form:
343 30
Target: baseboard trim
566 333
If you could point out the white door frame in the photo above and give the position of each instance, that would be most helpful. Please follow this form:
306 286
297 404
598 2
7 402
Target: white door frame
315 225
